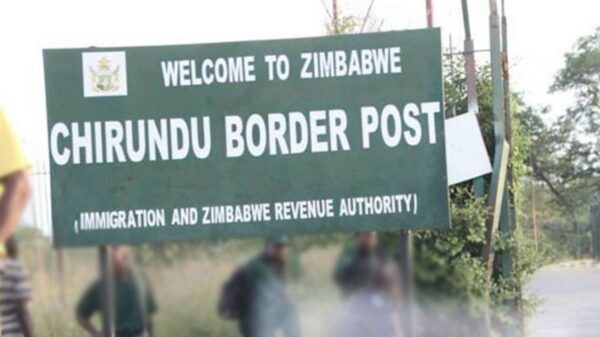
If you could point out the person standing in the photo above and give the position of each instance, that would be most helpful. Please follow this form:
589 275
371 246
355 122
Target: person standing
366 277
15 189
257 295
134 300
362 266
15 294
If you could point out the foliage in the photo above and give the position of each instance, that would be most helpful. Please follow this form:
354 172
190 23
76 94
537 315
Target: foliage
447 264
566 153
351 24
449 268
581 74
347 24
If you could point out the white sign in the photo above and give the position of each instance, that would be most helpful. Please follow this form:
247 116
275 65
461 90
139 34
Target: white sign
104 74
466 155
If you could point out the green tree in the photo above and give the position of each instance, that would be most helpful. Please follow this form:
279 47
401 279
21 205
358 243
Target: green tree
342 23
450 272
566 153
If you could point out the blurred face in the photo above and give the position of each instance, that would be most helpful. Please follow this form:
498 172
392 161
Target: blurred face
120 259
277 252
368 240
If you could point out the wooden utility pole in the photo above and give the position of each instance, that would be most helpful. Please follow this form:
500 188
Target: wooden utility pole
429 7
470 69
336 22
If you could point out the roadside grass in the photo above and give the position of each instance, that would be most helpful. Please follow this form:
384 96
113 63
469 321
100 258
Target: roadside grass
186 289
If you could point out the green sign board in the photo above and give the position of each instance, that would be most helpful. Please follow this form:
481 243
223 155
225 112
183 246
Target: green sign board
212 141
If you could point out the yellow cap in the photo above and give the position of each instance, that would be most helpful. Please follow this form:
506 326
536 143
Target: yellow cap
12 157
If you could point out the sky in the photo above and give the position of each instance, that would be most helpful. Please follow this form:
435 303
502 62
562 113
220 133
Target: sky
540 32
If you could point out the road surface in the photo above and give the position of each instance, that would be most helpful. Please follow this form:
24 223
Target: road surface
569 301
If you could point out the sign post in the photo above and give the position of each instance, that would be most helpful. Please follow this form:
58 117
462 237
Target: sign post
406 248
407 279
107 292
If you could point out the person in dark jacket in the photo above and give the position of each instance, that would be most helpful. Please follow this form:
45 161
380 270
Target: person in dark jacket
366 276
265 304
363 266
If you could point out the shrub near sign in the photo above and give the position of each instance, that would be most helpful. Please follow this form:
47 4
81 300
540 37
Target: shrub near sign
247 139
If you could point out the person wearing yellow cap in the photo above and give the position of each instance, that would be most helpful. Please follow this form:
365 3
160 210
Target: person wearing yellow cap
15 188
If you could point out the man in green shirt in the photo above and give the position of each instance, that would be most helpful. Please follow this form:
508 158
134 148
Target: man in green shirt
134 301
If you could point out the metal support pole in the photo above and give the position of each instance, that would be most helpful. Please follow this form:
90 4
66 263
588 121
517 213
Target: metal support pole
512 329
107 293
506 227
406 253
502 147
510 256
498 183
407 283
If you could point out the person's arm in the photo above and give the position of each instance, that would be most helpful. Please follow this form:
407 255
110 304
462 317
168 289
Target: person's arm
17 191
85 323
87 306
24 319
